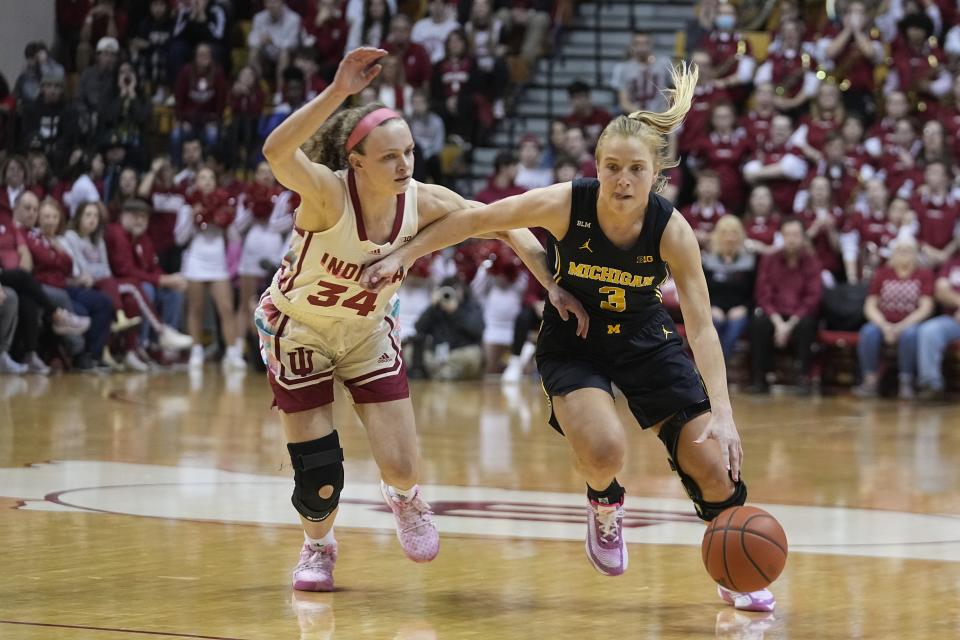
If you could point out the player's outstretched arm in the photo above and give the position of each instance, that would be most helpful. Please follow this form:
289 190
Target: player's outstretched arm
681 251
436 202
291 166
547 207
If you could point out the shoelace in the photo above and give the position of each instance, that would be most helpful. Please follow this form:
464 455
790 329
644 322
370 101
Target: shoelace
417 510
317 560
607 521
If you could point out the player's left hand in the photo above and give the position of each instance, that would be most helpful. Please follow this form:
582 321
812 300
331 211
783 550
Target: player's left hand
722 429
565 304
379 274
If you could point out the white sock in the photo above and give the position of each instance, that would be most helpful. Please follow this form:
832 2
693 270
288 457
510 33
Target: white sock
238 346
403 494
319 543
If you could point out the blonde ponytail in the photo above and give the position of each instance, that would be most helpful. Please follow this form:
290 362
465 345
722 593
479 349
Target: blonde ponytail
654 128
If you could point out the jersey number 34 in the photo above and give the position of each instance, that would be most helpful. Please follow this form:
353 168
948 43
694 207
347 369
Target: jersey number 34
330 295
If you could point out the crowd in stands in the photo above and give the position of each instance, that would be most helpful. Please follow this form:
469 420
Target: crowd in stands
817 167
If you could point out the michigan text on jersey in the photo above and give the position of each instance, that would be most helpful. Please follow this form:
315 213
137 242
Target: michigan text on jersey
608 274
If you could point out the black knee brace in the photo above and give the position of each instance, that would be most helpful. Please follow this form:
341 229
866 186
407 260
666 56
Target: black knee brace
316 464
670 436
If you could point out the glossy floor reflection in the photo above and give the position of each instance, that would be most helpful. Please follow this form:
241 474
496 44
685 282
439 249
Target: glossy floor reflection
156 506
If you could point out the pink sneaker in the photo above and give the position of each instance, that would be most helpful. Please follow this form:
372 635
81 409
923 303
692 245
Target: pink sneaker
314 572
415 529
605 547
761 600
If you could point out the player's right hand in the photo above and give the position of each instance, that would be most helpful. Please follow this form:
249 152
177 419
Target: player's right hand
566 303
379 274
357 69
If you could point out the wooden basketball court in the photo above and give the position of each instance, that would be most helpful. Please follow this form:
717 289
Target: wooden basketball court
158 506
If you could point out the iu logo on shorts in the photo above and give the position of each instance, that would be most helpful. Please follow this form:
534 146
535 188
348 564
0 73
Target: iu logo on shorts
301 362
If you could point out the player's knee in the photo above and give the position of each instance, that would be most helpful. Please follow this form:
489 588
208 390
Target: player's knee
317 476
711 476
604 455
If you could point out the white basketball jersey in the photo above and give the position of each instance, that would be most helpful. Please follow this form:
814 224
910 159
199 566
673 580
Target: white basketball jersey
319 276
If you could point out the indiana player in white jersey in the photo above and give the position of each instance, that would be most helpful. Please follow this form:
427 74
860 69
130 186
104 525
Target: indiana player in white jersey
316 323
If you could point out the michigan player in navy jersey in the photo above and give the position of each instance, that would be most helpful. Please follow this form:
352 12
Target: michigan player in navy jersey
613 240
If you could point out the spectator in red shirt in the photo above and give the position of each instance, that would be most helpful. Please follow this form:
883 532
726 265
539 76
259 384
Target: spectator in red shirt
826 115
53 268
591 118
850 53
881 134
949 115
822 221
454 81
853 146
201 94
246 106
840 169
132 257
707 94
900 298
707 209
867 229
576 147
414 58
724 151
938 215
934 146
757 122
787 295
730 53
327 34
791 68
778 164
936 334
761 221
919 66
898 162
502 183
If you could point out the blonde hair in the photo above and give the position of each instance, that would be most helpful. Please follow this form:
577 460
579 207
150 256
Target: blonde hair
725 222
653 128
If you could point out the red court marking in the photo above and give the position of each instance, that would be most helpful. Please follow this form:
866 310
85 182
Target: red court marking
82 627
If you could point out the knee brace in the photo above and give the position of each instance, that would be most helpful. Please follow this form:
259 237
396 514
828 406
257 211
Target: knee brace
316 464
670 436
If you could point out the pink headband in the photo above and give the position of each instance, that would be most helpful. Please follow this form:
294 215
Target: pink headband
369 122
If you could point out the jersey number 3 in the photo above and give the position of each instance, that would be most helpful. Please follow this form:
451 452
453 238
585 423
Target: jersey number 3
329 295
616 299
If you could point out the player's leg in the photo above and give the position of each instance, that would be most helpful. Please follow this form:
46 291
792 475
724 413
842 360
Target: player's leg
376 378
707 482
301 379
590 422
393 442
317 460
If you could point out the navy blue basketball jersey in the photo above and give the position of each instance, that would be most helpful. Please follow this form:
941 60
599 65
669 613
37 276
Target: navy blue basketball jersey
613 284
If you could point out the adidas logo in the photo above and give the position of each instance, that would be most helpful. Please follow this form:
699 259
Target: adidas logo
375 252
383 358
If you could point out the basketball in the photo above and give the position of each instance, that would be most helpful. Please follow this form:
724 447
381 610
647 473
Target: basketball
744 549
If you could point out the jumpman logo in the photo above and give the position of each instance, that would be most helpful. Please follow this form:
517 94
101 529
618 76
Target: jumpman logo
586 245
666 332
